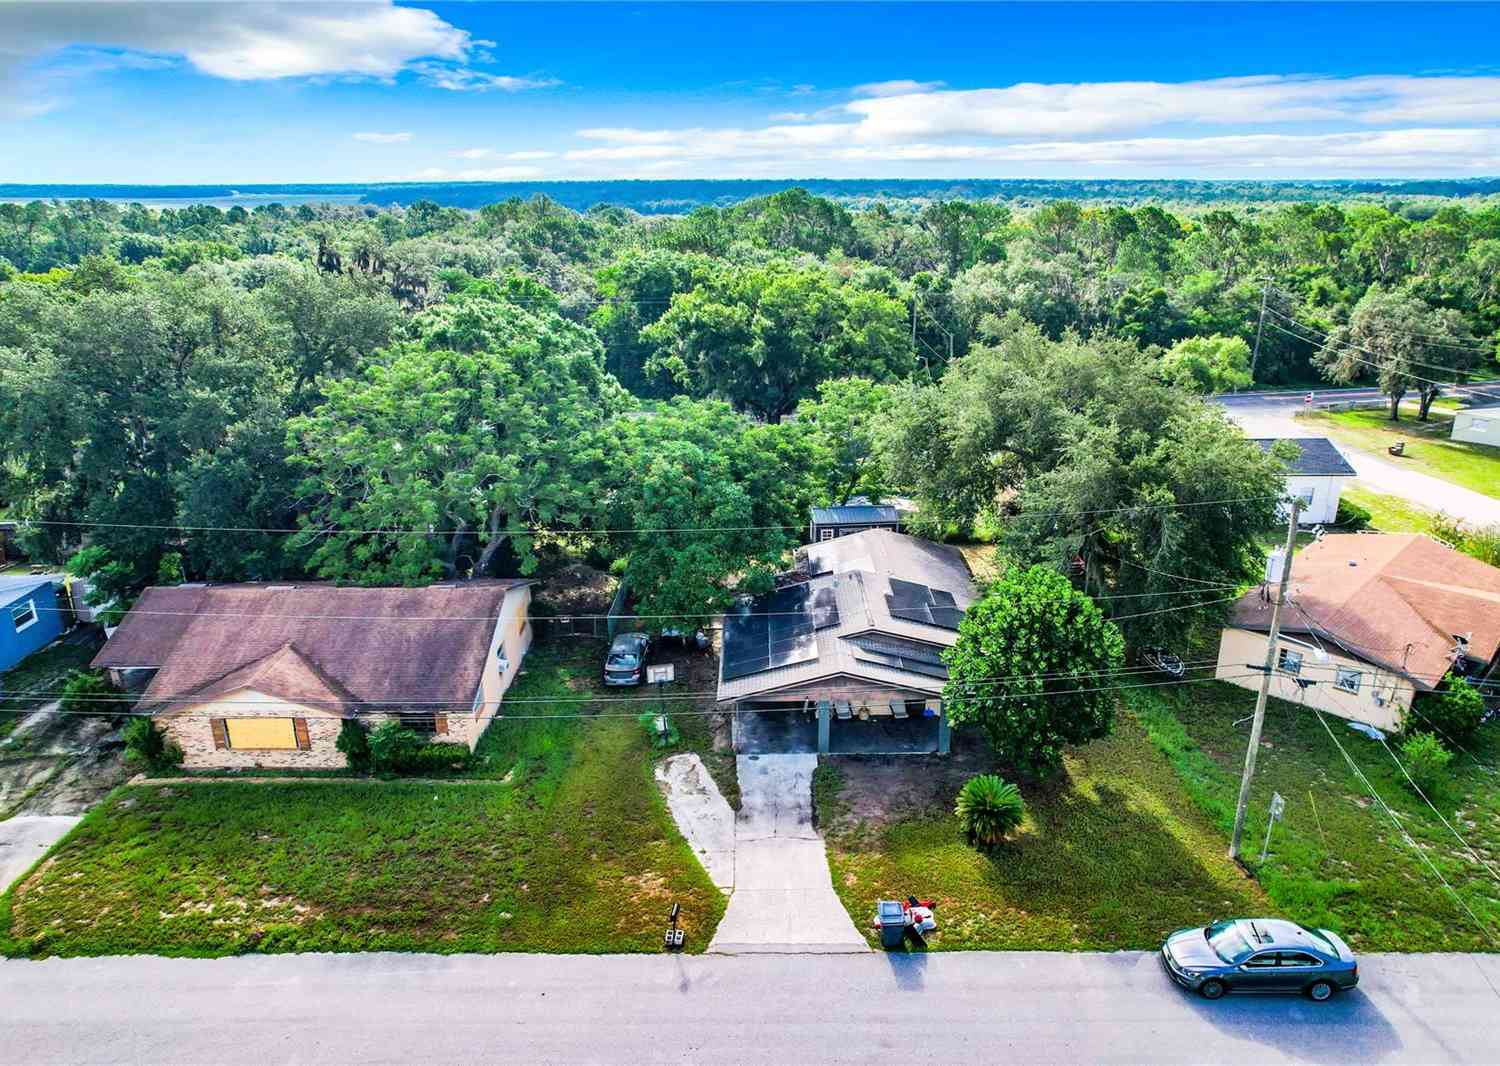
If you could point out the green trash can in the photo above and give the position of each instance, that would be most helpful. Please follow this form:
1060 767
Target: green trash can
890 919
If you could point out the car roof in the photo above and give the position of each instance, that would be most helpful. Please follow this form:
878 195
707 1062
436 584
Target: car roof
627 641
1269 934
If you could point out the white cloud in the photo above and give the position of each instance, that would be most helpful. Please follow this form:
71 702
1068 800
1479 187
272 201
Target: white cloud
1265 126
383 138
474 174
243 42
1094 108
491 153
899 87
469 80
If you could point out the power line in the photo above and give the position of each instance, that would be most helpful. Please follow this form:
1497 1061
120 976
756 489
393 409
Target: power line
1401 829
1325 342
1467 846
1314 330
539 531
1479 347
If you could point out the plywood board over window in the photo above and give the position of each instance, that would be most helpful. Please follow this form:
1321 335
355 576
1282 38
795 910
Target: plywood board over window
261 734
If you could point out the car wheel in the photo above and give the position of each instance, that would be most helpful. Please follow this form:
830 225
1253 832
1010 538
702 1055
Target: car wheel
1213 988
1320 991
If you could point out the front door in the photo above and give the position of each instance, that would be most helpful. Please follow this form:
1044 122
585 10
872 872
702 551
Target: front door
1261 972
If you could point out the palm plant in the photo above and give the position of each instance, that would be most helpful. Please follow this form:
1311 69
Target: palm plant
989 809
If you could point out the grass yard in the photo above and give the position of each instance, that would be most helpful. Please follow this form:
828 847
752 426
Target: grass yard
1389 514
1428 448
1113 854
1336 860
560 842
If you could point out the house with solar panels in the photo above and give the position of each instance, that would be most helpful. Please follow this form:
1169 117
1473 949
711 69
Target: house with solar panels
845 658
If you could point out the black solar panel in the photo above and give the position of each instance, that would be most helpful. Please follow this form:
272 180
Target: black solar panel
773 630
917 603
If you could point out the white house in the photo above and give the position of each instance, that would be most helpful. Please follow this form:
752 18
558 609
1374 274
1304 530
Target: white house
1316 477
1478 425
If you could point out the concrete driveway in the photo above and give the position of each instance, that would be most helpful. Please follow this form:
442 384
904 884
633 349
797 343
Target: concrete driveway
25 838
947 1007
783 898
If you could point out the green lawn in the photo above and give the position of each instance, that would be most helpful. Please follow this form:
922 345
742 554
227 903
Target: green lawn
1112 855
1336 861
1389 514
1428 448
560 843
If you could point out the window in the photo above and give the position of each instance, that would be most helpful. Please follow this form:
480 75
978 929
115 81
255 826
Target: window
24 615
1289 661
1306 497
261 734
825 534
420 723
1298 958
1264 961
1346 680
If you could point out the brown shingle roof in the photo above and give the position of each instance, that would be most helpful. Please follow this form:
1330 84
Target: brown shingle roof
1397 600
316 644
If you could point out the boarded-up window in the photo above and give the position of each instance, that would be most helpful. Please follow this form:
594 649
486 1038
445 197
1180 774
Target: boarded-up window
440 723
221 734
261 734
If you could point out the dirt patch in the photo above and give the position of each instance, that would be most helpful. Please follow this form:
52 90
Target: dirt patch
879 789
579 589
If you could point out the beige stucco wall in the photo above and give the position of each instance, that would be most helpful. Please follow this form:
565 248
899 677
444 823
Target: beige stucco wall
1240 648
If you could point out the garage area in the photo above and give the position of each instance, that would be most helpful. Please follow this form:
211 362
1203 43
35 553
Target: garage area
772 729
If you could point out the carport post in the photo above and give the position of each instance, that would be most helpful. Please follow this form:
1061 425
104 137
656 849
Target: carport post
825 716
942 732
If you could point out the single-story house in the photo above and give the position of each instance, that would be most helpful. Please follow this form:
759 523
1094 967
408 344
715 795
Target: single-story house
1477 425
263 675
840 521
31 617
845 656
1316 476
1372 620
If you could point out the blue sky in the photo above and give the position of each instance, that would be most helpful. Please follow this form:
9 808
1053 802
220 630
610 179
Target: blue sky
372 91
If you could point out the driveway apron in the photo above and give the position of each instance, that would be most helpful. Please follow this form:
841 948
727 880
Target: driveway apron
783 900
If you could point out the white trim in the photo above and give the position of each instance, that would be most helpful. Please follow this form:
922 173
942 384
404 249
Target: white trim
30 606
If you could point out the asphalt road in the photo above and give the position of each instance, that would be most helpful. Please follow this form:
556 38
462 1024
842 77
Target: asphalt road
1272 415
960 1007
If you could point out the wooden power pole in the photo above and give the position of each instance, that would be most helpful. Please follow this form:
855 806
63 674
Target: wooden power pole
1265 680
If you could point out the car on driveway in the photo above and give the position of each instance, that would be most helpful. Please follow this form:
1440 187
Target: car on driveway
1259 955
626 662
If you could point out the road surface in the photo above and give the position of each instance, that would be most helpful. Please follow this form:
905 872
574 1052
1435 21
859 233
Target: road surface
959 1007
1272 415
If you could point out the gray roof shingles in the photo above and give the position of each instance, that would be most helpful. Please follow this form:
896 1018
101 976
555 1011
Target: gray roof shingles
1319 457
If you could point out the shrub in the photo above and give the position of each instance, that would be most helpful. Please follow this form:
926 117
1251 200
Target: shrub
989 809
87 691
657 737
394 749
354 742
1426 761
148 746
1454 711
1482 542
1352 516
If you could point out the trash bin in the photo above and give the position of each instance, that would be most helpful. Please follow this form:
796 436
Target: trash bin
890 919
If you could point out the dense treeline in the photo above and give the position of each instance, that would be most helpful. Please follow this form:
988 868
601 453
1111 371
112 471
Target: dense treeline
266 393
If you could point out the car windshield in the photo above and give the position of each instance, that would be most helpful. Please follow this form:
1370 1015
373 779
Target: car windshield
623 660
1225 939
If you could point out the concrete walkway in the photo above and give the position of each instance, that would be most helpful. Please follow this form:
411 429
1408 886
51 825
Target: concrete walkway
783 897
947 1007
702 814
25 838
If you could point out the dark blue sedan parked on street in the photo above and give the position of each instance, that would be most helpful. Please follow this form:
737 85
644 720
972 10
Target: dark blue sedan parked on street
1259 955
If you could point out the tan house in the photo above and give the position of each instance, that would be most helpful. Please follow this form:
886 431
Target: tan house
1371 621
263 675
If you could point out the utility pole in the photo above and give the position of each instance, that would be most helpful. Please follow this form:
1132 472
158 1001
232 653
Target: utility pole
1265 680
1260 328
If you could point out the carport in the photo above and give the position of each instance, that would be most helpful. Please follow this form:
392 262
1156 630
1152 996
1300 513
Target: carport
767 728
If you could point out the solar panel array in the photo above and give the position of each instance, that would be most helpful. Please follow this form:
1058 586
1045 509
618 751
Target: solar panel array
777 629
908 655
917 603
